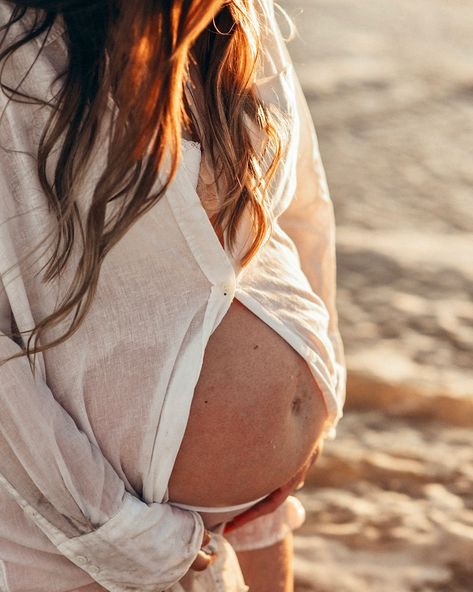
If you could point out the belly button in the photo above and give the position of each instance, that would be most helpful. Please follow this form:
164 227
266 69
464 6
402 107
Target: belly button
296 405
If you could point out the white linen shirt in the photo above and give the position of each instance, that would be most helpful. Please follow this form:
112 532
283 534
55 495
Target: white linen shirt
88 443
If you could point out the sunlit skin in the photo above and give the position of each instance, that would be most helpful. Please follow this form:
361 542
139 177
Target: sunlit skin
257 414
256 400
262 420
268 423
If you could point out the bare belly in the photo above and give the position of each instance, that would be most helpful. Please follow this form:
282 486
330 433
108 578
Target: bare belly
256 415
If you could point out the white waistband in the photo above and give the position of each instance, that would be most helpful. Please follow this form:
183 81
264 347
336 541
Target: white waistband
217 509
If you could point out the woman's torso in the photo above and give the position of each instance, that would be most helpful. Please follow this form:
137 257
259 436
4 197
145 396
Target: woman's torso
130 374
256 416
257 411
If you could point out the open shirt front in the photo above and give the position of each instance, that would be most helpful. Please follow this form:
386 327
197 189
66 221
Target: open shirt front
87 445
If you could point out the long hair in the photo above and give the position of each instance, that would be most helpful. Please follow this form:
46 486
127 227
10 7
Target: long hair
140 54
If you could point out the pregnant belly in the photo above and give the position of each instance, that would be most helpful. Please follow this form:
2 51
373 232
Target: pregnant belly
256 416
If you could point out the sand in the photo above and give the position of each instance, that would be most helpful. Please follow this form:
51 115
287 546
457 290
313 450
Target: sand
390 87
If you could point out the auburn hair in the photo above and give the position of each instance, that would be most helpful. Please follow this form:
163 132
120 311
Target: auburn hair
140 54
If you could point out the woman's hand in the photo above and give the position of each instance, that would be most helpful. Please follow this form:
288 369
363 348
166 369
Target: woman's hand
275 499
203 559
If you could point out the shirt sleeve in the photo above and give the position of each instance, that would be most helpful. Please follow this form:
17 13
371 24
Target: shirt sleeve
308 223
58 476
308 218
72 493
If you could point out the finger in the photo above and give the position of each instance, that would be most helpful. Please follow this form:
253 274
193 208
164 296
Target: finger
266 506
276 498
202 561
206 538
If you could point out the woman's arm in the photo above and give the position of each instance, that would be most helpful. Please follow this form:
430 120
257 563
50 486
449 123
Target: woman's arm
309 226
308 219
269 569
48 465
71 492
309 222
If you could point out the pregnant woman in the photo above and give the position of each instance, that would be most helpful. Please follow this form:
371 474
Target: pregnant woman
170 360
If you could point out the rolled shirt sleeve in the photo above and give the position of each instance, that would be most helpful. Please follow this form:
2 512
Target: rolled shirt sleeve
69 489
58 476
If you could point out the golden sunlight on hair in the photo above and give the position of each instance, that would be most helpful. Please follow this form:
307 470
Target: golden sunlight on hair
140 62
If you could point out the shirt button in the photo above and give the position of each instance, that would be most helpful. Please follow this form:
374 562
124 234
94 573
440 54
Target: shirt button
81 560
94 570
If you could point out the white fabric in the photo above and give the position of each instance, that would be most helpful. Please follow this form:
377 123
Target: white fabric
287 517
88 443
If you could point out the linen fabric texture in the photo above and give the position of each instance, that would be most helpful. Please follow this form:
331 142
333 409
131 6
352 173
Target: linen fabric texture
88 443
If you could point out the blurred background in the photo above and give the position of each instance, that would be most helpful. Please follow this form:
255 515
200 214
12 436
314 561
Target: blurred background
390 87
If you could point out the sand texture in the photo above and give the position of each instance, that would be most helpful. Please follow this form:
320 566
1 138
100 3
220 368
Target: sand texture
390 87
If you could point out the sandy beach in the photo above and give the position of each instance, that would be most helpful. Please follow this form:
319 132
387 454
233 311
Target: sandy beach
390 87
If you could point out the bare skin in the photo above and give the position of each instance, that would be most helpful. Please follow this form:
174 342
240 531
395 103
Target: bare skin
257 404
269 569
257 401
254 561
